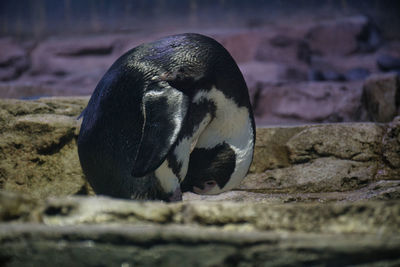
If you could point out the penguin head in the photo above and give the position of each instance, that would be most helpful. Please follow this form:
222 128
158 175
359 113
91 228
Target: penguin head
209 170
206 187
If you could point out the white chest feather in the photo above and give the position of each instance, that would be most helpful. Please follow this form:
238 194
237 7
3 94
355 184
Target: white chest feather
232 125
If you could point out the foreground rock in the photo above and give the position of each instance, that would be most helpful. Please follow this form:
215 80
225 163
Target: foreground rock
81 231
38 146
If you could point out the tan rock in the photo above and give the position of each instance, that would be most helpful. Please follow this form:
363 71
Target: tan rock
320 175
293 217
381 190
356 141
323 158
38 147
270 149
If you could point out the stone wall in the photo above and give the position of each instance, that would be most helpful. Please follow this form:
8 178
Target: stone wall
308 71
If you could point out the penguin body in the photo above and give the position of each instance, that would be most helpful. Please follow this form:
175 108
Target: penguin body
169 116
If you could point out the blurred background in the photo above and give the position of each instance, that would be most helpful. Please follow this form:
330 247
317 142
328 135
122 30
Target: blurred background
304 61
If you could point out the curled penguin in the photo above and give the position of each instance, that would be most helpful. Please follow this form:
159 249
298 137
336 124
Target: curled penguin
169 116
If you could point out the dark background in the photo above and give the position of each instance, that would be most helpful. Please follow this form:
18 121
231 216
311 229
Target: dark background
43 17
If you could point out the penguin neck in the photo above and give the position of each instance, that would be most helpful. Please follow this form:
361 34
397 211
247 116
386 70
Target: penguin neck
232 125
231 122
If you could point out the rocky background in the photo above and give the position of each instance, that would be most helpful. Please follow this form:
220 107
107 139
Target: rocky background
300 68
324 186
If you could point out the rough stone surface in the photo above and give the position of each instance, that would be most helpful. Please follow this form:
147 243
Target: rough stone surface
241 45
305 102
79 231
38 152
343 66
382 96
358 142
381 190
37 245
13 59
341 37
294 217
323 158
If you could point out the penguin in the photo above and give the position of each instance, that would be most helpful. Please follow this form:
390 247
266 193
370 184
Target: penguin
168 117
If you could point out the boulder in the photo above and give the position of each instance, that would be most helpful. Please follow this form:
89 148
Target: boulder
308 102
63 56
343 37
381 96
391 144
241 45
323 158
283 49
13 59
38 146
350 141
258 73
342 68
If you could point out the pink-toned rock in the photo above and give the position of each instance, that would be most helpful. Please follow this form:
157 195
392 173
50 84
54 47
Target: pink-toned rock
281 48
343 64
63 56
258 73
242 46
13 59
308 102
25 90
338 37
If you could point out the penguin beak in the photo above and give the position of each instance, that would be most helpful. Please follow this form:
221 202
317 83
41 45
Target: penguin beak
176 196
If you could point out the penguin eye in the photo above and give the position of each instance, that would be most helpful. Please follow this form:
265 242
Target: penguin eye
210 183
182 83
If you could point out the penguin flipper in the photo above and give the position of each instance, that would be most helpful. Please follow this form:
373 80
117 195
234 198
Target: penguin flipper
82 114
164 109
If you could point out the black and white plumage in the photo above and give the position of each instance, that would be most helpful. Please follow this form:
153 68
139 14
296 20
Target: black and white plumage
168 116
